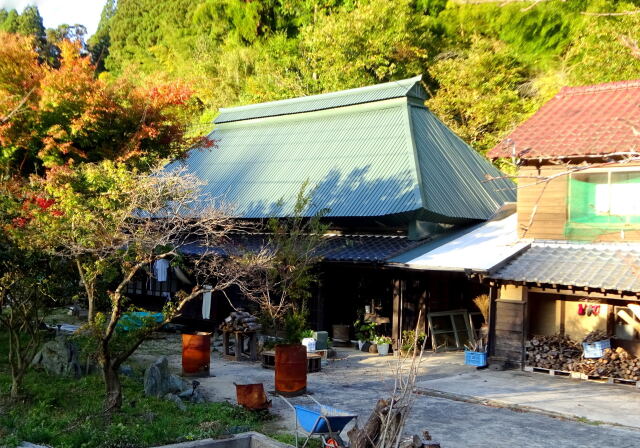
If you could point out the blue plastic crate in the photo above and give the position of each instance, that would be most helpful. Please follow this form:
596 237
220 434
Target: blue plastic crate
478 359
595 349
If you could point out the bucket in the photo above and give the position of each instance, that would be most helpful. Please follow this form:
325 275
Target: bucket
196 354
252 396
310 343
291 369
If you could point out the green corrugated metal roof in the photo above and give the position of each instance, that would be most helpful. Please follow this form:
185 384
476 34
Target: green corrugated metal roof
384 157
396 89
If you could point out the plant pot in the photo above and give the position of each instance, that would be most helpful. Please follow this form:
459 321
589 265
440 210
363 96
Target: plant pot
196 354
360 344
383 349
373 348
291 369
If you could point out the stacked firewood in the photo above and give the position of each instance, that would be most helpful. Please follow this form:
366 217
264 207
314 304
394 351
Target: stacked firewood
240 320
595 336
615 363
552 352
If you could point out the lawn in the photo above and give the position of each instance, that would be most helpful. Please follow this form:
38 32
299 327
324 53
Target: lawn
68 413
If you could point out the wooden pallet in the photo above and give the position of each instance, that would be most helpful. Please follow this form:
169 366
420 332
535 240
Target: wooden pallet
583 376
551 372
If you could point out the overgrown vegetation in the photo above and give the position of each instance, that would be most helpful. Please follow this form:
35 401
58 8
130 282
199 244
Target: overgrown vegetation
488 65
69 414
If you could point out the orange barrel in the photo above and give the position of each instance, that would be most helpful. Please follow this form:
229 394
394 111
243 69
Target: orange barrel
291 369
196 354
252 396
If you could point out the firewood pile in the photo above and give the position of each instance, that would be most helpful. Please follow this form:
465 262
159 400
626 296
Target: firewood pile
616 363
240 320
561 353
552 352
595 336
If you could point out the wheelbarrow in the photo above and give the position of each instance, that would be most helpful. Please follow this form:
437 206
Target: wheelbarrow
320 420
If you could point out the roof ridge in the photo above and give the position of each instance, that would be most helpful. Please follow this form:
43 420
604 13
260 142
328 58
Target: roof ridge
602 87
336 93
330 100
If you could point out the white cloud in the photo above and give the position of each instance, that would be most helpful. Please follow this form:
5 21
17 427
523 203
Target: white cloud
57 12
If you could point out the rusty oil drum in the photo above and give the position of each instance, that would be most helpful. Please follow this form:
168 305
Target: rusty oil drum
196 354
252 396
291 369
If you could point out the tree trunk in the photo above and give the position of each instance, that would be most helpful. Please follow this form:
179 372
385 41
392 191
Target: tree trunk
91 312
113 401
89 288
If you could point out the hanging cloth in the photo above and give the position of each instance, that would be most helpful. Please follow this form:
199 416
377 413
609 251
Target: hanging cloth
206 303
160 269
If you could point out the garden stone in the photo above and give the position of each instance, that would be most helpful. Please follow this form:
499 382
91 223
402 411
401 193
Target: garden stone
158 381
174 398
127 370
59 357
30 445
192 396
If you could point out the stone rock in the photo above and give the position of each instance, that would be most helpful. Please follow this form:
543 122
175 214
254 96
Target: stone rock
174 398
373 348
158 381
59 357
127 370
30 445
192 396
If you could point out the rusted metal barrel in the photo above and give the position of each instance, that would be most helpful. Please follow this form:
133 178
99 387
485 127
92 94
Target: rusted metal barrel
252 396
196 354
291 369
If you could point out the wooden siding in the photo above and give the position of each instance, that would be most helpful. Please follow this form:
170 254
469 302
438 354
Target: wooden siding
542 207
509 332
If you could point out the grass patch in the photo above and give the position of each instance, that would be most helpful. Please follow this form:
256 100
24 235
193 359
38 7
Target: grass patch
68 413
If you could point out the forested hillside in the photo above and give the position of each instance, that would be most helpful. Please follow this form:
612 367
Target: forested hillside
487 65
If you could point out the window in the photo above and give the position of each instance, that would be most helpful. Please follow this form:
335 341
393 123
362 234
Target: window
449 330
610 198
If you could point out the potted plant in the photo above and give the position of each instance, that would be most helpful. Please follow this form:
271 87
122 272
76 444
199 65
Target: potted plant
410 342
283 286
383 343
364 331
291 357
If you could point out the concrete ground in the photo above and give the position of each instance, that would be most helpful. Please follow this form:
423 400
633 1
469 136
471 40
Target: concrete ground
459 405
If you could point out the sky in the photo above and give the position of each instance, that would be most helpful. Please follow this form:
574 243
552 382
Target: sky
57 12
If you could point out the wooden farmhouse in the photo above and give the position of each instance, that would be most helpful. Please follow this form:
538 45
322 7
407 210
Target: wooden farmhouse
399 187
578 205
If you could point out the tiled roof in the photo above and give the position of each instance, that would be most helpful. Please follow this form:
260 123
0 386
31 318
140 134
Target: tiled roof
589 120
609 266
354 248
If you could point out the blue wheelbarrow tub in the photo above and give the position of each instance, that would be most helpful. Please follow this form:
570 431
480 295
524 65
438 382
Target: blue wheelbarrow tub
309 420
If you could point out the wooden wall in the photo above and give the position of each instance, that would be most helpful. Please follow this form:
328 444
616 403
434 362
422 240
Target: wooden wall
509 327
542 207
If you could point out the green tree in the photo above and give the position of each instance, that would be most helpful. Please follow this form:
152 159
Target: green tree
482 93
100 41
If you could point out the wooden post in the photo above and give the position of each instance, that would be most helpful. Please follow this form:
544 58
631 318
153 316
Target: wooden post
253 347
396 325
239 343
